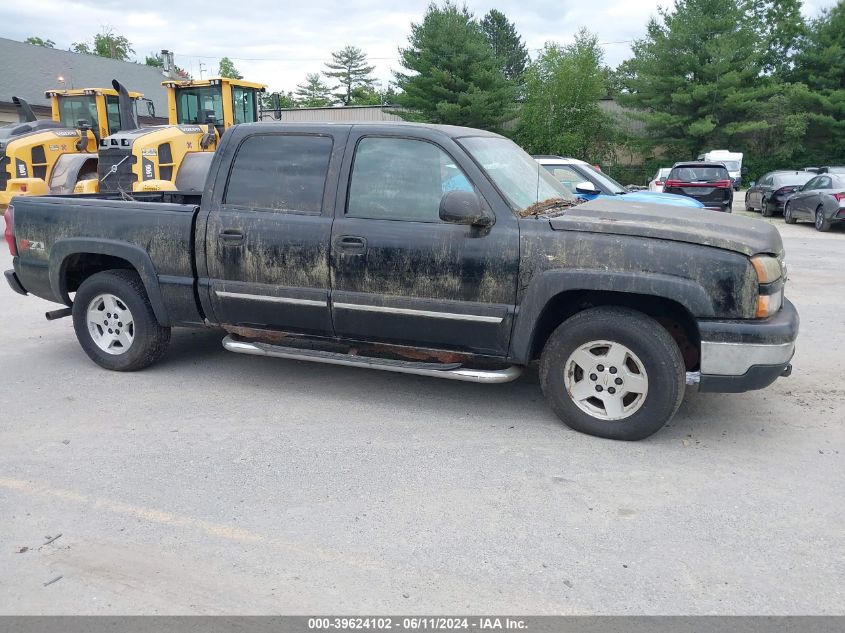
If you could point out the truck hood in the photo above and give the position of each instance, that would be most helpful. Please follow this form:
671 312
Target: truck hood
657 221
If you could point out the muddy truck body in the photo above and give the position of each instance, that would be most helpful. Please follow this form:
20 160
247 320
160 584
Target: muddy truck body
431 250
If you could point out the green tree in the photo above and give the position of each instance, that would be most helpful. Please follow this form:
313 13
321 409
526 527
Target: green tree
452 74
109 44
349 67
314 93
819 64
277 100
694 77
106 44
37 41
560 111
779 25
363 96
227 69
820 60
506 43
154 60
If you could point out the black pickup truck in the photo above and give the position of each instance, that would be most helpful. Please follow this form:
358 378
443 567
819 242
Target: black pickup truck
432 250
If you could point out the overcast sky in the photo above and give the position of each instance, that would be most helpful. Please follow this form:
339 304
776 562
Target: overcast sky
277 42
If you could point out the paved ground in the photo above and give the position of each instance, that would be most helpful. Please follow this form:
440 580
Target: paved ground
218 483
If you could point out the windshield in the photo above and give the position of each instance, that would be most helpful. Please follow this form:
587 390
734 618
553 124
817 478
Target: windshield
521 179
72 110
604 180
730 165
194 105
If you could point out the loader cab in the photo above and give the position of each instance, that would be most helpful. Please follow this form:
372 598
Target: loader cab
220 101
98 108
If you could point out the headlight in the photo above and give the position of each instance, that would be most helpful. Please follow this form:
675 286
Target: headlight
768 268
770 277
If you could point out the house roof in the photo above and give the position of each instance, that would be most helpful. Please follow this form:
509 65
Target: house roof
28 71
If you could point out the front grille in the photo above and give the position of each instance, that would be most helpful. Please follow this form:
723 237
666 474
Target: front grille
121 160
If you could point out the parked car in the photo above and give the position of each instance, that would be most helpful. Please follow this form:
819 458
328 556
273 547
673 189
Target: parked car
768 195
821 200
731 160
345 244
588 183
656 183
708 183
832 169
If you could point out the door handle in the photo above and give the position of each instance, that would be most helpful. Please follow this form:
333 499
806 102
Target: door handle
231 237
351 244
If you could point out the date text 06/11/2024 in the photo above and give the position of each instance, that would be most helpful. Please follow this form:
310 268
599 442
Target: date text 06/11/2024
418 623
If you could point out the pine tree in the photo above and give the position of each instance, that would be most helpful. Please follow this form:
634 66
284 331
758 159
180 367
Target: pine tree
349 66
820 60
506 43
314 93
453 76
695 75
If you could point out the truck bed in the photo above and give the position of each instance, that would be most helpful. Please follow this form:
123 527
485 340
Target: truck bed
153 232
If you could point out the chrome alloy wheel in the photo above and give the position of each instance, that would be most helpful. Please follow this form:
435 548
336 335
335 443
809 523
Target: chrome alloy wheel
606 380
110 324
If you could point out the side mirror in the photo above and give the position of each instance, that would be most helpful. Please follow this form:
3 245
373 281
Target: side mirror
463 207
586 187
799 188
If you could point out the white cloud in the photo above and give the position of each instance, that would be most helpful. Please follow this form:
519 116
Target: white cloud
278 42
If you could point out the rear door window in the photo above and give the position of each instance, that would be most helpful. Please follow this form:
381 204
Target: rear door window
280 172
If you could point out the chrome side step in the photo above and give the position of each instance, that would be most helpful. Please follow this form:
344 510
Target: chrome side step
451 371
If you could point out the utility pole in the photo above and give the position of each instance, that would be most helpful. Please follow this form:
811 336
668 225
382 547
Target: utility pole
202 68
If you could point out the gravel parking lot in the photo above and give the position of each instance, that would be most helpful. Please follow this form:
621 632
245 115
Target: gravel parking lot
220 483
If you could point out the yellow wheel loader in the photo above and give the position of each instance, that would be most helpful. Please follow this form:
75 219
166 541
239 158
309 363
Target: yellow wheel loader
176 157
51 156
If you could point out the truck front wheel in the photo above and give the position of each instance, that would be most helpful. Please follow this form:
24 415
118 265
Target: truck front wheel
612 372
115 323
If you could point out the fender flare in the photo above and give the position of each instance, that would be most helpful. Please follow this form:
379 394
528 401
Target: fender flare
135 255
547 285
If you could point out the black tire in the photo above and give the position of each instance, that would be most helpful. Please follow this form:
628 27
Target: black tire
149 339
642 335
767 210
821 223
787 214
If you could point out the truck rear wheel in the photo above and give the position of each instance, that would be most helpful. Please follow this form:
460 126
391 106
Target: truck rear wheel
115 323
612 372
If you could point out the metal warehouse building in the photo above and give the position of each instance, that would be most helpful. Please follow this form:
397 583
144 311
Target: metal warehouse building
336 113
